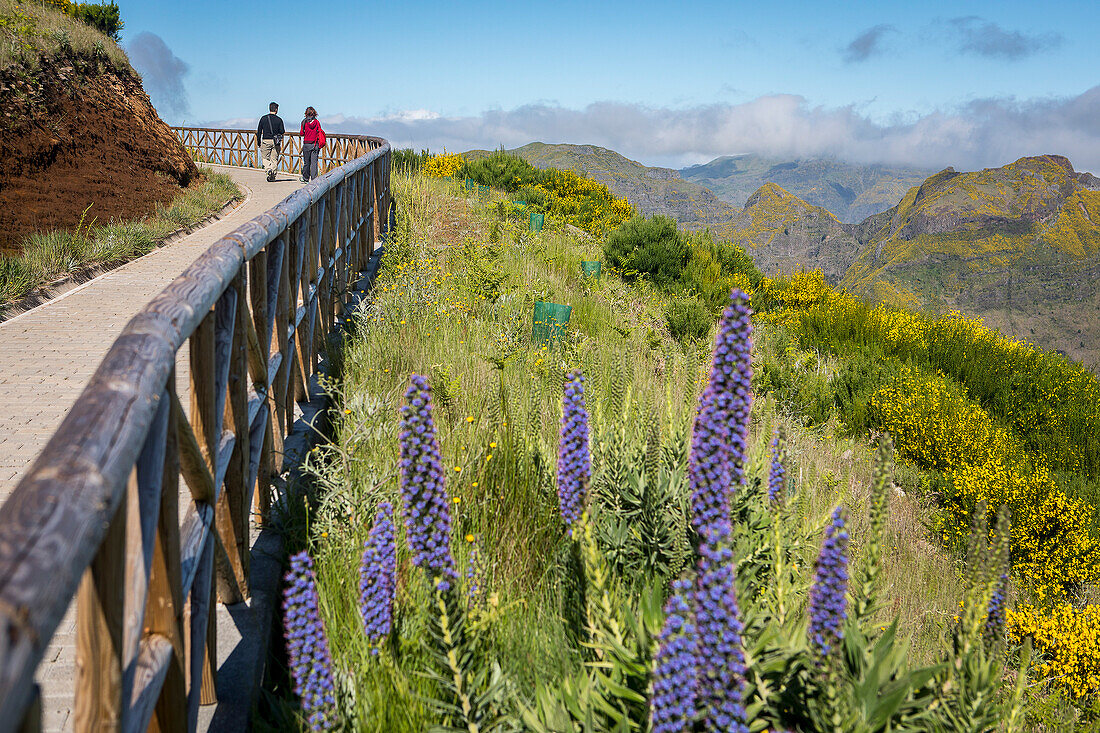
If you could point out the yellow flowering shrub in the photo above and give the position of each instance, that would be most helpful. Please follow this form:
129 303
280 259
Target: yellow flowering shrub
1069 640
444 165
935 425
1053 546
583 203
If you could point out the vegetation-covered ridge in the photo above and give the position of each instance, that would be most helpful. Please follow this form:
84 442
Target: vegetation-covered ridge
784 233
533 538
650 190
1018 245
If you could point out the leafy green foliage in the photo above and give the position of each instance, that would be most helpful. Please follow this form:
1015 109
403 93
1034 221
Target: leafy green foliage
104 17
407 160
688 319
652 247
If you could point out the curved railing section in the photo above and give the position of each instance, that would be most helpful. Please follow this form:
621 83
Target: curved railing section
238 147
98 515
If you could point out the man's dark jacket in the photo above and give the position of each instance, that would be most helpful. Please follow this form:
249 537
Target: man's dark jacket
270 128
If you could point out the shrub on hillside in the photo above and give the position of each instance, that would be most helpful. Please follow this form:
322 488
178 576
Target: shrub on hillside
501 170
408 160
444 165
651 247
688 318
104 17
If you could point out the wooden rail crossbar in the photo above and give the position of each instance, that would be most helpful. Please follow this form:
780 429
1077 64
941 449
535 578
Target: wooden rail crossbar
238 147
98 514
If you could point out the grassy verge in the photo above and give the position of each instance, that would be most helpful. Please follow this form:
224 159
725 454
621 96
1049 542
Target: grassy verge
50 255
30 29
454 302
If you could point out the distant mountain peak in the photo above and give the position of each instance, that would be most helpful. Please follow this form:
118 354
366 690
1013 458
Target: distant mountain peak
851 192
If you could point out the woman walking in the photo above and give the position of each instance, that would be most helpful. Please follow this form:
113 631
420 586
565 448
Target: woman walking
313 139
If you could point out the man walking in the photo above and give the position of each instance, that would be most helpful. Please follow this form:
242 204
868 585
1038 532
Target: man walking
269 138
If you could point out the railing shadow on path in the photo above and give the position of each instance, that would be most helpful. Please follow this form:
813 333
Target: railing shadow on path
98 516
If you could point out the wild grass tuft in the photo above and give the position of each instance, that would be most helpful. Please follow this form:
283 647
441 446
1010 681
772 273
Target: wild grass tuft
49 255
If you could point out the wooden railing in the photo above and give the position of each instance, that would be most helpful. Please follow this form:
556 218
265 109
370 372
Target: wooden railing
98 514
238 147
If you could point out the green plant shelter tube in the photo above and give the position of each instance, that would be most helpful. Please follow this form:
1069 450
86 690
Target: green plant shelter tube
469 183
548 321
537 221
591 268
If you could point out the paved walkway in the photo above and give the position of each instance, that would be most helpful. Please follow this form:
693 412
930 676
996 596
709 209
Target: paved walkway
49 353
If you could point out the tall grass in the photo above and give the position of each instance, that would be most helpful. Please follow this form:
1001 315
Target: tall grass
46 256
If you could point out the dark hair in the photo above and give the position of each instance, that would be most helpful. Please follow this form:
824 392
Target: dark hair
273 106
310 112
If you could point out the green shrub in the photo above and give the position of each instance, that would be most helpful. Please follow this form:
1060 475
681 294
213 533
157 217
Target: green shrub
104 17
652 247
688 318
501 170
407 160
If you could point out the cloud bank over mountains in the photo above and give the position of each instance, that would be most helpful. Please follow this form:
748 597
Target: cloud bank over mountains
982 133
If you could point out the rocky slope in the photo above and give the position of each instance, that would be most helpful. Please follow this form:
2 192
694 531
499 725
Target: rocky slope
79 132
1018 245
650 190
784 233
851 192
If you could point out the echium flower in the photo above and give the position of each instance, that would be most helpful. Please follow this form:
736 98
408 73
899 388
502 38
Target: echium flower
378 578
777 475
307 646
720 657
995 614
828 596
574 461
739 382
427 515
675 676
721 427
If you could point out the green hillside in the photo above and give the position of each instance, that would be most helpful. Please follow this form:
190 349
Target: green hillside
784 233
650 190
851 192
1017 245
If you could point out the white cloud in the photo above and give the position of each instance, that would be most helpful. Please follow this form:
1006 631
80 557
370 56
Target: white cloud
982 133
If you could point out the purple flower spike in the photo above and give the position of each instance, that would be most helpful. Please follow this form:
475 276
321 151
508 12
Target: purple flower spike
777 476
574 462
828 596
995 616
307 646
739 382
721 660
675 676
427 514
378 578
721 427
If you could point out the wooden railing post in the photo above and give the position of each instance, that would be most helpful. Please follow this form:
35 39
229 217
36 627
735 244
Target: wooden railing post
234 501
100 606
164 606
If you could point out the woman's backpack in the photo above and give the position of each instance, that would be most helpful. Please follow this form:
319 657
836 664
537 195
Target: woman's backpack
320 137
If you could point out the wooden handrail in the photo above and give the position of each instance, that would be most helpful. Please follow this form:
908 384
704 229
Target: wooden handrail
97 516
238 147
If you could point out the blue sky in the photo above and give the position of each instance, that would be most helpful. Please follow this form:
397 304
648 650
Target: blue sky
929 83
